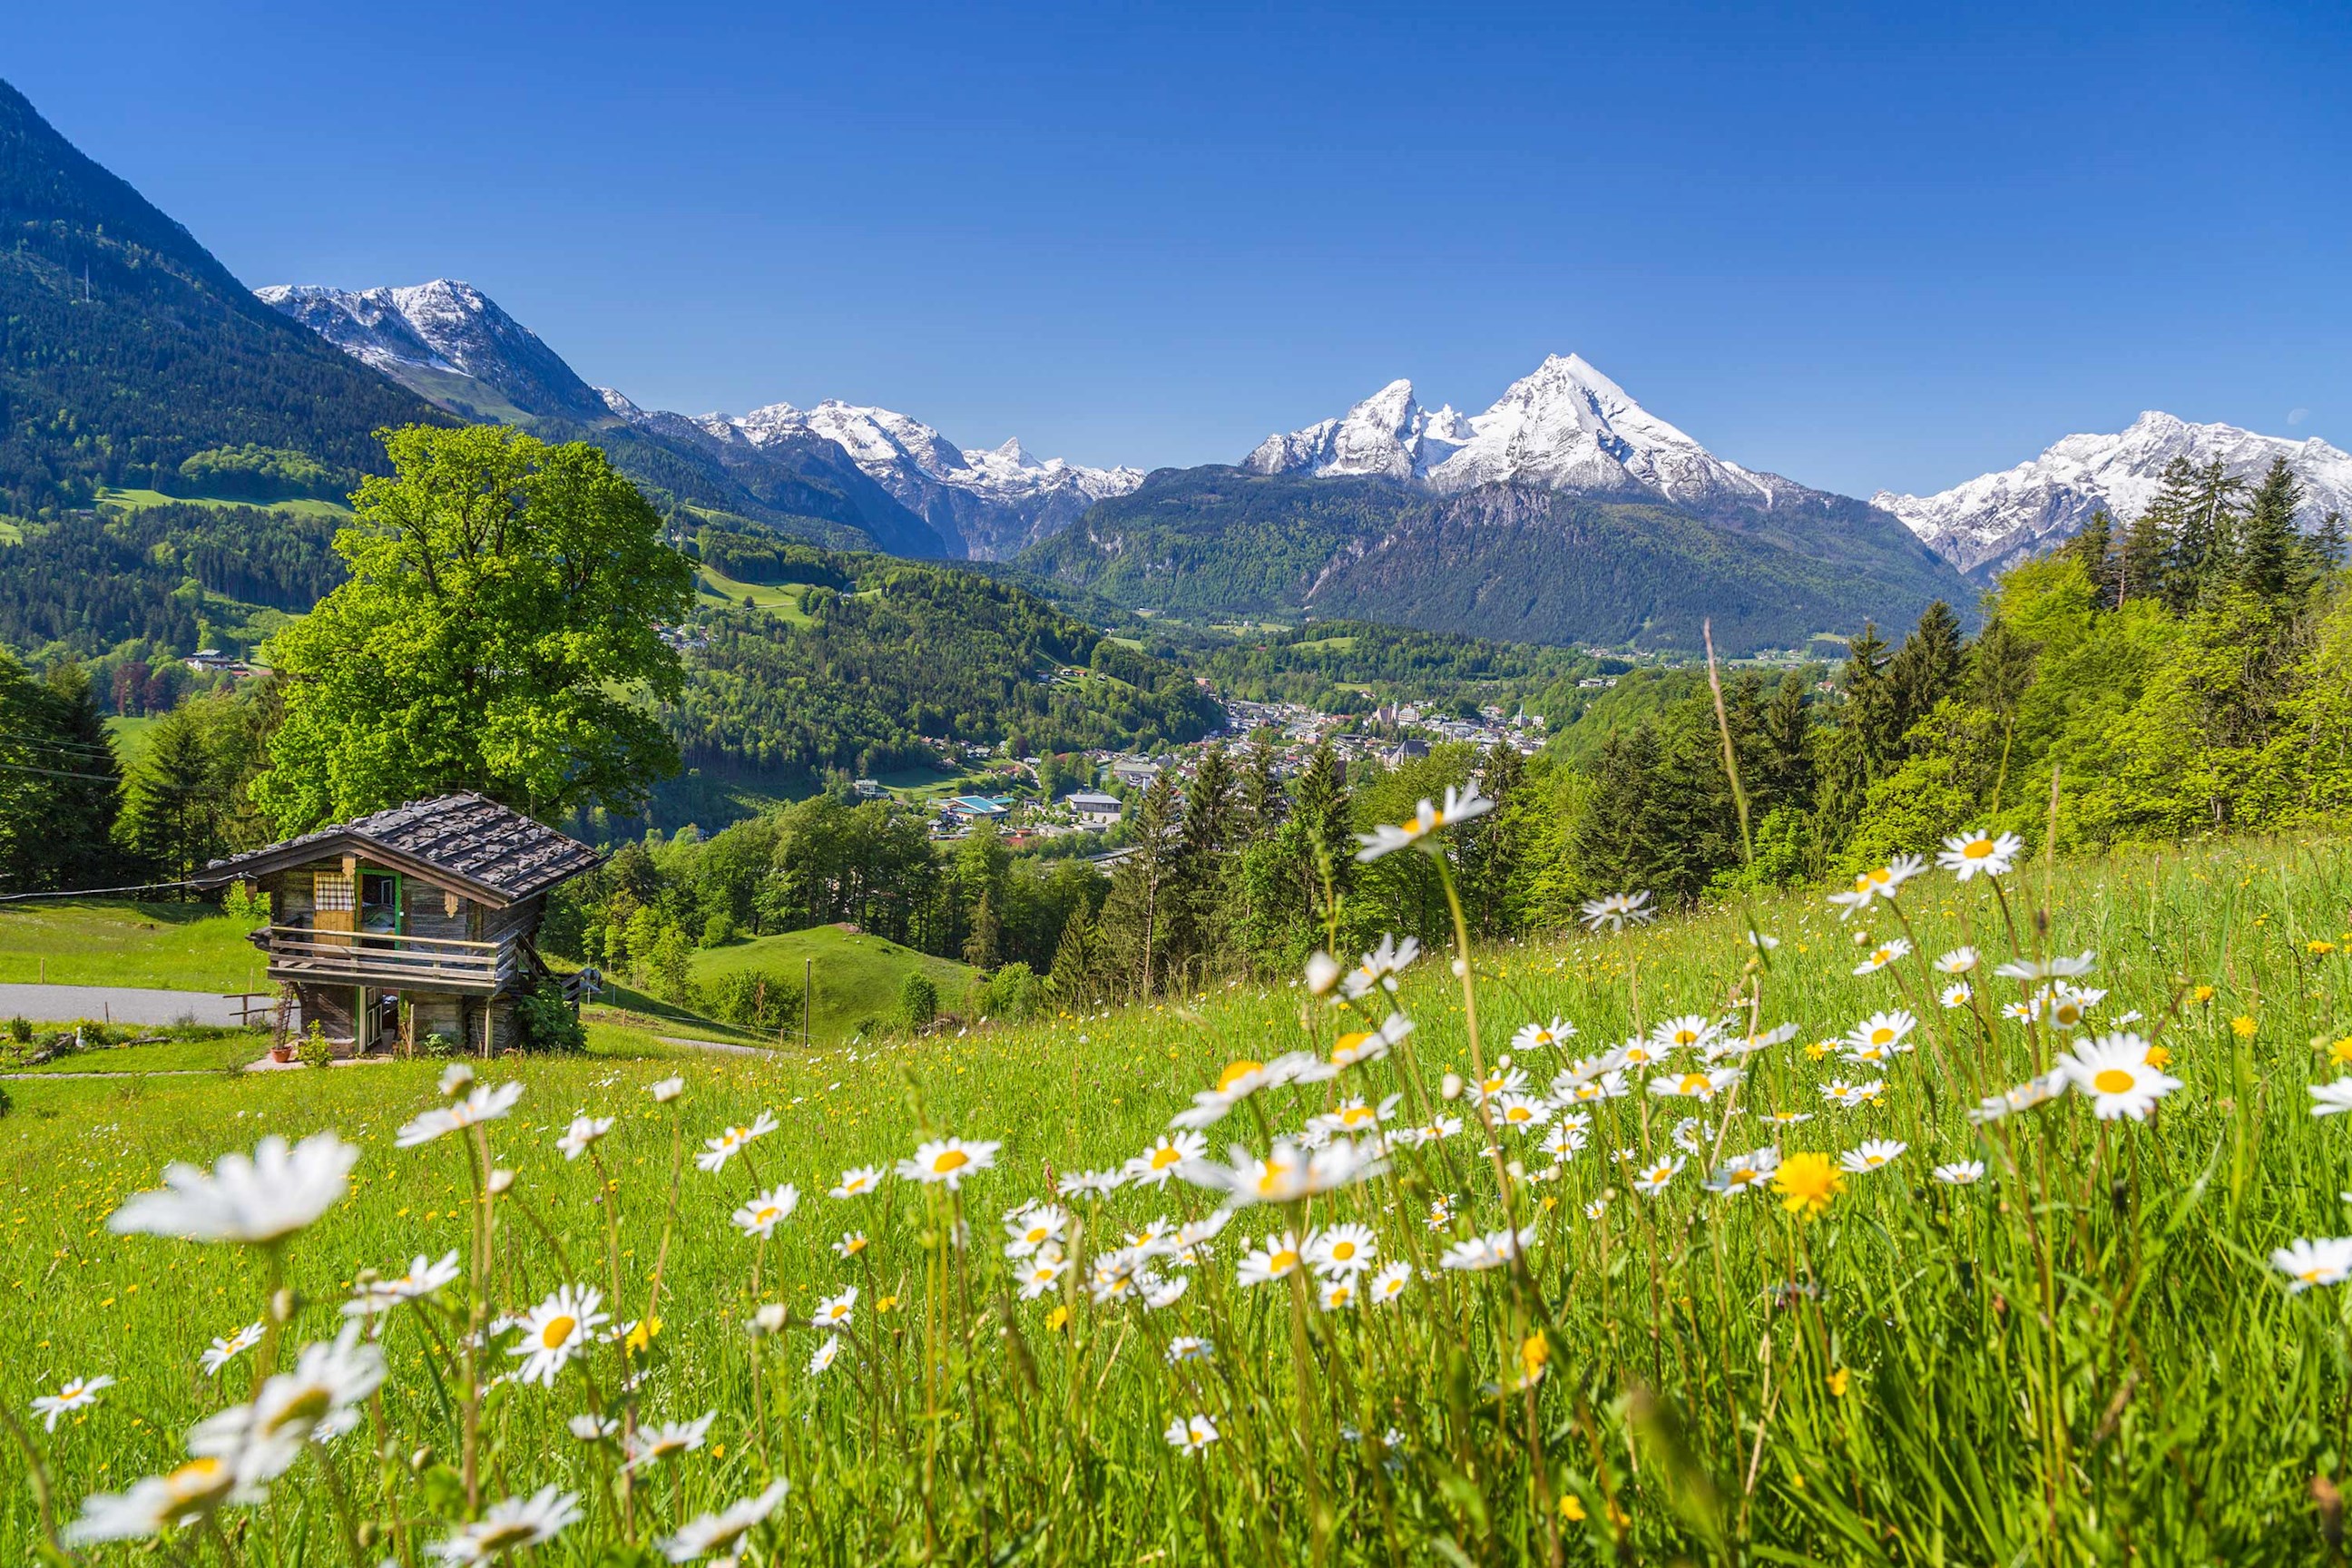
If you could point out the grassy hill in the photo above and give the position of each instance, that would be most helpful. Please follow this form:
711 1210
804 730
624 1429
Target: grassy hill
2089 1343
97 942
857 977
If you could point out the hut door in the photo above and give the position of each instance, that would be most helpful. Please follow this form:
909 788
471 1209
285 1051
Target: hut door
334 906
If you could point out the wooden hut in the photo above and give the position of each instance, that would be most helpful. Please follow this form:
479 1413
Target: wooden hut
433 905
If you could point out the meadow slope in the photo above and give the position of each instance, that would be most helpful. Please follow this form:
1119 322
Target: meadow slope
2085 1355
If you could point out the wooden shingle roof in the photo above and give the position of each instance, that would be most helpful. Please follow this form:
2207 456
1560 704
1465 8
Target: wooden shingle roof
498 856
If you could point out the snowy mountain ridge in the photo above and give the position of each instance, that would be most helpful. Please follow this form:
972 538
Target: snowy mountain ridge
451 342
1995 520
1565 427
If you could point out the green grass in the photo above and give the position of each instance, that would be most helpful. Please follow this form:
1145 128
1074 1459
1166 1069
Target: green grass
205 1051
783 600
129 732
857 977
2087 1358
140 500
158 946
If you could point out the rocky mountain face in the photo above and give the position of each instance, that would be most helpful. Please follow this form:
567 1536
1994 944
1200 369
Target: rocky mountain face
910 490
1992 521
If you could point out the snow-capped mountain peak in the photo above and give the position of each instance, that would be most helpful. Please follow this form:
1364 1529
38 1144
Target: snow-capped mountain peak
1998 518
447 341
1564 426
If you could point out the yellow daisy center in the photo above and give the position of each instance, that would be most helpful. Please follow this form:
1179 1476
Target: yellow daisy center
1165 1156
1694 1082
1881 1035
1342 1250
951 1160
1237 1071
558 1332
1977 848
1282 1262
2112 1080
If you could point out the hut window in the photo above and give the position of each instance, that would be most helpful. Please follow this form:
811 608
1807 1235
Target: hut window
331 890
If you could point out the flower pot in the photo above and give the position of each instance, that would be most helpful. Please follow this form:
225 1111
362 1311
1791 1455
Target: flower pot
282 1053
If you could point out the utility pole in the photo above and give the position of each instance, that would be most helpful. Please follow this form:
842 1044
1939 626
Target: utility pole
808 979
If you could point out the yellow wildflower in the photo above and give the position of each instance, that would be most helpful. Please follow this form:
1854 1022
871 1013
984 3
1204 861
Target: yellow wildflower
1571 1506
1057 1319
2243 1027
1807 1182
2201 994
2159 1056
2340 1053
1838 1381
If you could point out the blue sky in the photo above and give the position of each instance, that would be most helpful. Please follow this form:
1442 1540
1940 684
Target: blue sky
1861 246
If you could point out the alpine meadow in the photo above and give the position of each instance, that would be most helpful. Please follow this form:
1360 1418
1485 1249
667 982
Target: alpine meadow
1283 973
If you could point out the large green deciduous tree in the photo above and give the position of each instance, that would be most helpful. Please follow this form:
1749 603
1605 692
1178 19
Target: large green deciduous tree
499 631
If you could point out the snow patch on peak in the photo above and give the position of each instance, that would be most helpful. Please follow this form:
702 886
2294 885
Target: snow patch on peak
1563 426
1998 518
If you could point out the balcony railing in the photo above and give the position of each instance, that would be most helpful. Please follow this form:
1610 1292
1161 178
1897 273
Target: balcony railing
423 963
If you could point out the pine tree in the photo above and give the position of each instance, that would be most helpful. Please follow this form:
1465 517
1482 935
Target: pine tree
1927 669
1196 893
1616 842
1784 753
2269 550
1134 923
2214 511
1071 982
983 947
1320 808
2094 547
1260 809
173 812
64 836
2187 537
2143 562
1490 852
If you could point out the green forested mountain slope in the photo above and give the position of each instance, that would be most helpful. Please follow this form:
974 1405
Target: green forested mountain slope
126 348
1499 562
916 652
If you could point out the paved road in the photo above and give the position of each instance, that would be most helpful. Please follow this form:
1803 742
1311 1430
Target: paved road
122 1003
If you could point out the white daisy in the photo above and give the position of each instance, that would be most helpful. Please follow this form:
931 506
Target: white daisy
558 1329
1390 1281
856 1182
651 1445
719 1532
1191 1434
154 1505
1541 1036
717 1151
511 1524
1874 1153
1616 909
256 1199
372 1298
1157 1163
225 1351
1341 1251
1978 852
2325 1261
835 1311
1387 839
583 1130
825 1352
948 1161
663 1091
74 1393
1960 1172
1960 960
2112 1069
2331 1098
1489 1251
765 1210
483 1103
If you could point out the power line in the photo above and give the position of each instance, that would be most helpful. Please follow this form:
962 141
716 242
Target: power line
91 892
56 744
54 774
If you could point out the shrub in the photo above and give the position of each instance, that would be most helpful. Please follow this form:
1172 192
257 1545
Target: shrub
546 1021
719 930
246 904
20 1029
918 999
6 1104
1014 994
440 1045
755 999
314 1051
